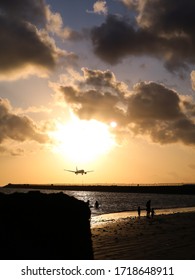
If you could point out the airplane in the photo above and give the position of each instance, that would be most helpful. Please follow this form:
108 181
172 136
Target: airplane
78 171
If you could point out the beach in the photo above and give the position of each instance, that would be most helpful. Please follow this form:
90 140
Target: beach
164 237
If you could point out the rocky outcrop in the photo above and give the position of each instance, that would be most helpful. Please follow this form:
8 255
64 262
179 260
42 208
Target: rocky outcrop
34 225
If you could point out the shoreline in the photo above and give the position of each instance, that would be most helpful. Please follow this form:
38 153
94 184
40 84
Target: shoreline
168 236
110 217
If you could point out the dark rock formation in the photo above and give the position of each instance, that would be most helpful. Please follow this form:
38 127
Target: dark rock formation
44 226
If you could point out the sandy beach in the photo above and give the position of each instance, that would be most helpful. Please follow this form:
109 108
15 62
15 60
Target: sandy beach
165 237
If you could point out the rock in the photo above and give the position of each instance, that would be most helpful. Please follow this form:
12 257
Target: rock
34 225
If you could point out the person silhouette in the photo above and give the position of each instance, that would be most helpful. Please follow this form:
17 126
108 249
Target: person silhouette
96 204
139 211
148 208
152 213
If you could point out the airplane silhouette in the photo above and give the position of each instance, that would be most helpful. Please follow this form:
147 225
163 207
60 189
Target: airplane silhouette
79 171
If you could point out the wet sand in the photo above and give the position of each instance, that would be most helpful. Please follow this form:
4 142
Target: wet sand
165 237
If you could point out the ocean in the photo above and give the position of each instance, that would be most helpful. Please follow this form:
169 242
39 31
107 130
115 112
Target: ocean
113 202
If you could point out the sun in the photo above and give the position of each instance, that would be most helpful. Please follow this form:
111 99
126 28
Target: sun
82 141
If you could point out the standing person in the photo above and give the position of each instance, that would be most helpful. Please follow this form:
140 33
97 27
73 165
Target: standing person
152 213
139 211
96 204
148 208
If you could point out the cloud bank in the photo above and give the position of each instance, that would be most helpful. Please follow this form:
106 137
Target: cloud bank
149 109
160 29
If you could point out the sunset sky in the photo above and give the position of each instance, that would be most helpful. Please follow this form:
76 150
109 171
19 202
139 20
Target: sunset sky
107 86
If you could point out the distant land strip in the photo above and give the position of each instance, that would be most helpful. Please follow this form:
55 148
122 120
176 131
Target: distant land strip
163 189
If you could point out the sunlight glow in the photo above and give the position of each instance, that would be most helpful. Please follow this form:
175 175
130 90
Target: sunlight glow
82 141
113 124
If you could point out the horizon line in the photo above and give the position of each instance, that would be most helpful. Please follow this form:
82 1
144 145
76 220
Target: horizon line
99 184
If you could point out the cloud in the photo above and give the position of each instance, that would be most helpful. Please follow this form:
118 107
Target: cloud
188 106
26 46
98 96
152 101
22 47
10 151
193 79
18 128
161 29
99 7
25 10
155 110
149 109
55 25
116 38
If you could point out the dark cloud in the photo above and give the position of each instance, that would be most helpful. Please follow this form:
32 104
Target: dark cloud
16 127
25 44
167 17
22 45
152 101
104 80
98 96
189 108
26 10
117 38
156 111
99 78
162 29
150 109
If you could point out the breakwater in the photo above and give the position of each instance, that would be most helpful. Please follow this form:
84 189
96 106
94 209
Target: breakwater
162 189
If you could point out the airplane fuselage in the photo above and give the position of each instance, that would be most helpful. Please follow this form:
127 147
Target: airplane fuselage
79 171
82 171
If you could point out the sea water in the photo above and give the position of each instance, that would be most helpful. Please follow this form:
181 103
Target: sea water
112 202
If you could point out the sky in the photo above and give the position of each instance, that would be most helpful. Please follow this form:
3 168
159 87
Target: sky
99 85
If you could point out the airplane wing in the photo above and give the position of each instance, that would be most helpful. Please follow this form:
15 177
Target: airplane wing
69 170
89 171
